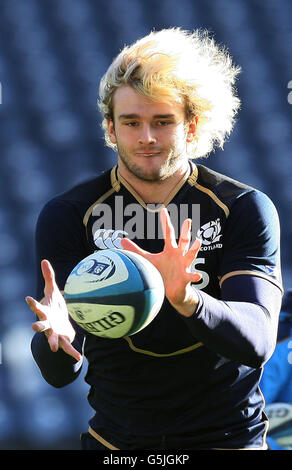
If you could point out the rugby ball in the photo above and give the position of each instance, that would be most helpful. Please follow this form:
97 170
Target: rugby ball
114 293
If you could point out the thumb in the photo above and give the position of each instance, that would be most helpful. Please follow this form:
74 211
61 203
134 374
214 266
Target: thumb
131 246
36 307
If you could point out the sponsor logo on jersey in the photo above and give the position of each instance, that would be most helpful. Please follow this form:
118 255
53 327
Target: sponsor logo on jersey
210 234
107 238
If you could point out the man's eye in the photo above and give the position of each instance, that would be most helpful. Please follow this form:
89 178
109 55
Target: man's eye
131 123
163 123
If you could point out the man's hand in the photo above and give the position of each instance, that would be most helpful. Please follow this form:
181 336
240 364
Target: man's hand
53 315
174 264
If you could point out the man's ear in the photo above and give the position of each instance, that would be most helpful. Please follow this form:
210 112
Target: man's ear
111 131
192 129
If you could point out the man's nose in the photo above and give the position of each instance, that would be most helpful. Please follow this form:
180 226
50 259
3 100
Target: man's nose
146 135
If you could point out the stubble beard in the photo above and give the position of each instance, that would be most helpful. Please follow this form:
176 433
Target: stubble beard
166 170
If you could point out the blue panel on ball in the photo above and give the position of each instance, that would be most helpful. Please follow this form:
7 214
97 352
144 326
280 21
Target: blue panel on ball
149 282
149 301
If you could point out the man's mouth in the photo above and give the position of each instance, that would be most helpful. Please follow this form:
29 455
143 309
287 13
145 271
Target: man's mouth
148 154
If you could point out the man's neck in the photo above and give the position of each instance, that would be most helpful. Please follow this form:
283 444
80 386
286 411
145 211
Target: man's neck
154 192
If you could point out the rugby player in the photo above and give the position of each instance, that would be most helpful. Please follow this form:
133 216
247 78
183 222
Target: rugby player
190 380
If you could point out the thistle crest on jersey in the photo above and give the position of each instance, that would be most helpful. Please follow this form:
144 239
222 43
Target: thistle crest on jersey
210 232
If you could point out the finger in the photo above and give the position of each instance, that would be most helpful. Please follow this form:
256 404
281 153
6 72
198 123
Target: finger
167 229
196 245
49 274
68 348
185 236
194 277
53 341
36 307
193 251
40 326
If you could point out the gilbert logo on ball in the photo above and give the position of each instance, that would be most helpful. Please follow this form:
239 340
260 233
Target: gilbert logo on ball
114 293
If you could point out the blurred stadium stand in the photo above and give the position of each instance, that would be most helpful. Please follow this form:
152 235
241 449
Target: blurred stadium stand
53 54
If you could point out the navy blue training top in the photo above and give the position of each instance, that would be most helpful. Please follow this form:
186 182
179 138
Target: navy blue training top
196 379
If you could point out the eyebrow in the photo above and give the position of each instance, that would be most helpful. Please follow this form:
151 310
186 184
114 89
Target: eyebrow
136 116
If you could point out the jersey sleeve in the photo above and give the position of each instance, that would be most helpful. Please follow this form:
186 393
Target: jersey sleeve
61 239
251 239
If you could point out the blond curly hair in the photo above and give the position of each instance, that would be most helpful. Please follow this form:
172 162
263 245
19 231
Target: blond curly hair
174 64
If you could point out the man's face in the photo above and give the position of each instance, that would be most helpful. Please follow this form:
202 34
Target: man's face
150 136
